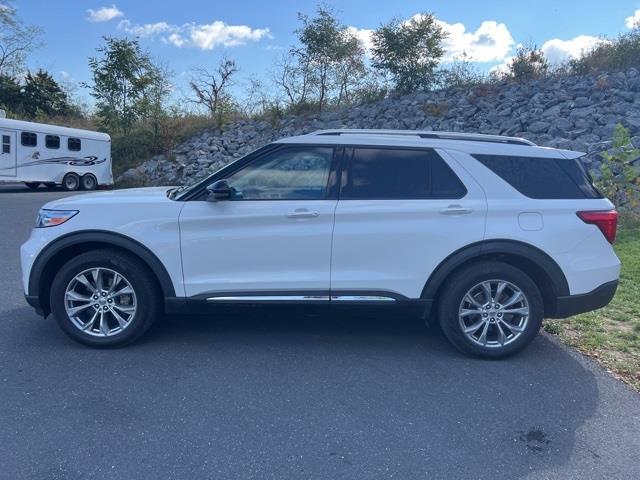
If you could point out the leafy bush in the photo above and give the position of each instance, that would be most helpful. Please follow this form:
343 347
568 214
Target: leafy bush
619 54
528 64
619 181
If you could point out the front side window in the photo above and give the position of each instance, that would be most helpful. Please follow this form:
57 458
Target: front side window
288 174
396 174
6 144
74 144
28 139
52 141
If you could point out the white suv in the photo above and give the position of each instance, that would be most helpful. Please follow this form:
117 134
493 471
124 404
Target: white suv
486 234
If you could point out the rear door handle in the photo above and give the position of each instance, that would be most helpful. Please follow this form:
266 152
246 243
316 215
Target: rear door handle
302 213
455 210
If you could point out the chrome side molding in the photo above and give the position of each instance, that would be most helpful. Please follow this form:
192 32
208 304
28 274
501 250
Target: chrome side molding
303 298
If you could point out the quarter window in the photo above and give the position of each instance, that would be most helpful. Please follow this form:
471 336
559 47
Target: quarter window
395 174
542 177
6 144
290 174
28 139
52 141
74 144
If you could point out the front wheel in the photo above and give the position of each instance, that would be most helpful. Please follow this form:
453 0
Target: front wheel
104 298
490 309
71 182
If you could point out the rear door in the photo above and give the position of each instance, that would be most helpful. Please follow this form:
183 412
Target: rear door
8 154
401 212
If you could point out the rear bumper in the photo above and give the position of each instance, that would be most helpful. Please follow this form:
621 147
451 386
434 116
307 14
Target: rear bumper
585 302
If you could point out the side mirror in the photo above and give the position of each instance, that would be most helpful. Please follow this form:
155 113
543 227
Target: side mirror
219 190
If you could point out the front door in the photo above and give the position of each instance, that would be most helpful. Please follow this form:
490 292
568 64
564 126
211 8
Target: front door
8 154
272 239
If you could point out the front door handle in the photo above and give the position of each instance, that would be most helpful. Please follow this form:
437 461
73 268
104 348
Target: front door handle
455 210
302 213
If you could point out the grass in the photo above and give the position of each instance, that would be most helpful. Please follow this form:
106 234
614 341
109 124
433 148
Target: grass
612 335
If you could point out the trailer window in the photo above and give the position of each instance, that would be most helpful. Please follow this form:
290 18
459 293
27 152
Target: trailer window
6 144
74 144
29 139
52 141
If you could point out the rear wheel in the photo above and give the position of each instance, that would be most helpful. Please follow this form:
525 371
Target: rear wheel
490 309
89 182
71 182
32 185
104 298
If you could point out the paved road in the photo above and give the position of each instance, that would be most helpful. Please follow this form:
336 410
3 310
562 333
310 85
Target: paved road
265 395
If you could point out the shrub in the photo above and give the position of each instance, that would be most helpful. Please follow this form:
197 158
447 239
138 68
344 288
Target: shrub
619 181
619 54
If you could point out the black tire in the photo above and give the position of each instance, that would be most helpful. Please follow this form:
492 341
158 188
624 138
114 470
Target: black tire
71 182
141 280
464 280
89 182
32 185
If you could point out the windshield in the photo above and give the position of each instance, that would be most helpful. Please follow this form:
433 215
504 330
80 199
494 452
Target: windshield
184 192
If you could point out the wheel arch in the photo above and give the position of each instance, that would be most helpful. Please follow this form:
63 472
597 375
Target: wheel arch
544 271
58 252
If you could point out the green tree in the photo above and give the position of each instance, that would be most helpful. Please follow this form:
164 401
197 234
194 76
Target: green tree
409 51
10 94
620 181
17 40
326 66
42 95
121 75
528 64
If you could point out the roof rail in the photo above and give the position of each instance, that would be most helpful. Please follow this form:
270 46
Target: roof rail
471 137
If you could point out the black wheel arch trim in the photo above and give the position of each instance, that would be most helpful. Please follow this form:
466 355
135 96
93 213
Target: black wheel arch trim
99 236
488 247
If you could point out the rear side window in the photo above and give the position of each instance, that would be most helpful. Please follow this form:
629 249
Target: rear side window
6 144
74 144
28 139
386 173
542 177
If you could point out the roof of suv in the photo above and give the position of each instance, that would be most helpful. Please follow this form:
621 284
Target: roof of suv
466 142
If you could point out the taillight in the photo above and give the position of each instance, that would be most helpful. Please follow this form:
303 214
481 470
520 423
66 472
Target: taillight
606 221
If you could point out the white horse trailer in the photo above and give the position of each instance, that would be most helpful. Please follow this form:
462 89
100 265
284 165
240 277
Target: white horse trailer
36 153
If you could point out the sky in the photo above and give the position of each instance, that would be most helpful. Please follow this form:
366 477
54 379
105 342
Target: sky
185 34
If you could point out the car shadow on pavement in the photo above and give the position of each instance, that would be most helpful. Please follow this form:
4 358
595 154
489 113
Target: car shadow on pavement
326 395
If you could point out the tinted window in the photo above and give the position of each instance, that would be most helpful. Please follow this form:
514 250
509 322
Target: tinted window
384 173
291 174
74 144
28 139
543 177
52 141
6 144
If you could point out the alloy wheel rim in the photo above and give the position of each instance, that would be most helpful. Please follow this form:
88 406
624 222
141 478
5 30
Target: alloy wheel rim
494 313
100 302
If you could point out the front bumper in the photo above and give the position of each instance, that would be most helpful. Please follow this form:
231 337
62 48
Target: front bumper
584 302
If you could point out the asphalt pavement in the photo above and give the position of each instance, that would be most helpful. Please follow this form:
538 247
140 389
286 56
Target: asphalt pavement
272 394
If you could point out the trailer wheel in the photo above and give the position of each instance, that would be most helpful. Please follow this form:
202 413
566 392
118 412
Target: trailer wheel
32 185
89 182
71 182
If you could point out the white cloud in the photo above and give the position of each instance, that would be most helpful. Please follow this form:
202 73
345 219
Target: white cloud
146 30
203 36
104 14
490 42
209 36
558 51
364 35
633 20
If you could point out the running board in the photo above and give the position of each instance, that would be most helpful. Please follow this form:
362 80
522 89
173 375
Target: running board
303 298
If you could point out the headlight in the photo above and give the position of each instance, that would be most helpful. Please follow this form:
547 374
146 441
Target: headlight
52 218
